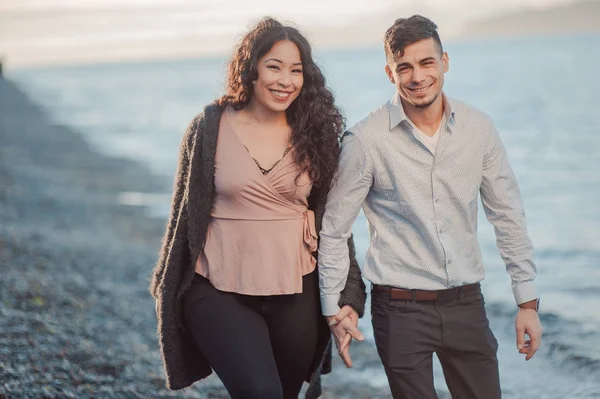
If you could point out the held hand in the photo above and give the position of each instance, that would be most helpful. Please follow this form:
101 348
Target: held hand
343 326
528 322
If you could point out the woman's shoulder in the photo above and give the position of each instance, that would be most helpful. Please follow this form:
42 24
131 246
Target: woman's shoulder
208 117
209 112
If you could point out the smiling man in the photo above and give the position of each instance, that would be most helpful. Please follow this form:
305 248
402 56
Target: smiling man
416 166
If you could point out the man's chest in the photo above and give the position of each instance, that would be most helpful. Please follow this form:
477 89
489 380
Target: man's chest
405 170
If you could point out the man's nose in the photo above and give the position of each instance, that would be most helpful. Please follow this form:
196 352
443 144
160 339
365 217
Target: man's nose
418 75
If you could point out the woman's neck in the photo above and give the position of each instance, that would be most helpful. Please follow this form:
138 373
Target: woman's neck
260 115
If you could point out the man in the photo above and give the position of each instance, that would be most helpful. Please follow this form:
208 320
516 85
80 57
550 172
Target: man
416 165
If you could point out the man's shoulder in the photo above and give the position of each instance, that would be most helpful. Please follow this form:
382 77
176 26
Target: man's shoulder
373 124
464 112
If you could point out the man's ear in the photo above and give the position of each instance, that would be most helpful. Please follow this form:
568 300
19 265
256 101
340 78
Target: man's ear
446 61
389 73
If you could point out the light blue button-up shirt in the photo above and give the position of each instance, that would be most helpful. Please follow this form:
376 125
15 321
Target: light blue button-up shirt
422 207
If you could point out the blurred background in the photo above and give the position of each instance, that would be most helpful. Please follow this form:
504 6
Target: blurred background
94 100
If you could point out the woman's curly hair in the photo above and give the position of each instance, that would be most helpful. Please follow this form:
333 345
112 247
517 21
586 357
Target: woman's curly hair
316 122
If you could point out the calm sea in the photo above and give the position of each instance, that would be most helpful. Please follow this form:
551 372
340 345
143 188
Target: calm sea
544 96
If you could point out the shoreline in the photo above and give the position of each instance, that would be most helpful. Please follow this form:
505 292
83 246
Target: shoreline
77 318
75 262
120 109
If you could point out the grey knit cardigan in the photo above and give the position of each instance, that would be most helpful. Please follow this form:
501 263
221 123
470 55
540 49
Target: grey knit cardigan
184 240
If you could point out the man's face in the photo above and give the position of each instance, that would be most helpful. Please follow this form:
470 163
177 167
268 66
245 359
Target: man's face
419 73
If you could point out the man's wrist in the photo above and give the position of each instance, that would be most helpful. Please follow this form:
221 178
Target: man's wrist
329 304
533 304
524 291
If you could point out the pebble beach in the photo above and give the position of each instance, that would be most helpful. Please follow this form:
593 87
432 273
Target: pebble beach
76 318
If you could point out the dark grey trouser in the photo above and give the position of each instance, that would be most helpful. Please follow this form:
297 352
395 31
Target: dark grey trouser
261 347
407 334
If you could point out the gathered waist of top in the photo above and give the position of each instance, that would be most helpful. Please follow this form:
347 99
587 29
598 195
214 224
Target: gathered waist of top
307 216
270 217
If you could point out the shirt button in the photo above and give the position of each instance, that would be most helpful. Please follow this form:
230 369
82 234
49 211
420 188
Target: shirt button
437 200
440 230
449 261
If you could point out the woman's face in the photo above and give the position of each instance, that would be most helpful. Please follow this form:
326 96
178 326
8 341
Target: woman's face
280 77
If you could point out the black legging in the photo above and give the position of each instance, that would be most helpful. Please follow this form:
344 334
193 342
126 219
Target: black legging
259 346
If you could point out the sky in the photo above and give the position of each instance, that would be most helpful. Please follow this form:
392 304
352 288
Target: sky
38 32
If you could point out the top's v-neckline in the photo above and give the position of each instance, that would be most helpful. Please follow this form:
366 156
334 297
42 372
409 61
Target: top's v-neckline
257 165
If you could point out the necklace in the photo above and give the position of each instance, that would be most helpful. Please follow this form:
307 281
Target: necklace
266 171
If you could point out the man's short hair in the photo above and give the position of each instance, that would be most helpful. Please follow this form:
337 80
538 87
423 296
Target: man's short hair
406 31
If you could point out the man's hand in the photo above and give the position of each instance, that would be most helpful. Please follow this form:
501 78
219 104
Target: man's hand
528 322
343 326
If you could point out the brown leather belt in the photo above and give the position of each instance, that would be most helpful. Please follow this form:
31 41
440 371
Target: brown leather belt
426 295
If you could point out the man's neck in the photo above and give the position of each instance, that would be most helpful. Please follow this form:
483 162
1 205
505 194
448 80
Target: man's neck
426 119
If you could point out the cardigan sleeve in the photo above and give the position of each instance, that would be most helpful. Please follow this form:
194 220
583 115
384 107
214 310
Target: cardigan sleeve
181 177
354 293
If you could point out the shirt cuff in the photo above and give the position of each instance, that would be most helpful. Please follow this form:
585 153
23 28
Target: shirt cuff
525 292
329 304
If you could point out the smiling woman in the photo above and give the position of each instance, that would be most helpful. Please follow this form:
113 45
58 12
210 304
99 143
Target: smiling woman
279 76
236 283
275 78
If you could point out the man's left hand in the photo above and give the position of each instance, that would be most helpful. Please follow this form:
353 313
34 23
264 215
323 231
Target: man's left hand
528 323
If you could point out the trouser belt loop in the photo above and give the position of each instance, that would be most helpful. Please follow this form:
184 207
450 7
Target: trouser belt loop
413 296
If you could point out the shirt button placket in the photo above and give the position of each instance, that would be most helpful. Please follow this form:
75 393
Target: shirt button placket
437 214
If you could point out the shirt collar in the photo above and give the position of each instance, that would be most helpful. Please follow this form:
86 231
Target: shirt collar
397 114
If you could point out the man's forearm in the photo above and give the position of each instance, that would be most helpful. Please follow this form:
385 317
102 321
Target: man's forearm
334 264
503 206
344 201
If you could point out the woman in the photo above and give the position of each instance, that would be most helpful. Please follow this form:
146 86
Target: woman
236 283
